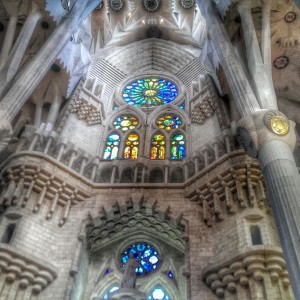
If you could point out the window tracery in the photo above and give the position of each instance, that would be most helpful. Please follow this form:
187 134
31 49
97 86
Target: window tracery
178 146
146 255
158 147
150 91
131 146
125 122
168 122
112 147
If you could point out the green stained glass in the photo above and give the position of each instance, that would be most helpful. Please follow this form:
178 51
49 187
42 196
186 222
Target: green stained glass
125 122
178 149
168 122
150 92
112 147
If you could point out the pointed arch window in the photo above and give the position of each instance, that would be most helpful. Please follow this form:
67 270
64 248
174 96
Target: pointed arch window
158 147
112 147
111 290
126 122
158 293
178 149
168 122
131 146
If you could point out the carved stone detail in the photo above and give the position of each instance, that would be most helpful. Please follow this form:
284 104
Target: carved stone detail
135 216
257 263
30 271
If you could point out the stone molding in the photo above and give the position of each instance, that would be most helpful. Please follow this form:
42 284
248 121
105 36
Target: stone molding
233 182
237 269
23 177
27 270
137 214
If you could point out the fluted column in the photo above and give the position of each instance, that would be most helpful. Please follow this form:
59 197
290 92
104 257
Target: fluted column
9 38
19 49
283 186
34 72
242 92
259 70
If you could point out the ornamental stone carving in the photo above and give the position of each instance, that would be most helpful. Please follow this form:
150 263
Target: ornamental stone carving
151 5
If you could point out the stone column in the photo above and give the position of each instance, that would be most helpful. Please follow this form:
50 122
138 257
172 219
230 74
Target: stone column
270 136
55 106
19 49
9 38
283 186
33 72
38 112
242 92
259 71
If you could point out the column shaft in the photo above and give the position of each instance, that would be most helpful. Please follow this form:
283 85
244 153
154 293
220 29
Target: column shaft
283 186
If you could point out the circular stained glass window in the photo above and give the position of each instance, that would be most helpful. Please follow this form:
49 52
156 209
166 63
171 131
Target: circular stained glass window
150 92
146 256
168 122
126 122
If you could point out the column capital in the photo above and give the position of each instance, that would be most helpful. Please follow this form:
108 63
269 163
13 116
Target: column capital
262 127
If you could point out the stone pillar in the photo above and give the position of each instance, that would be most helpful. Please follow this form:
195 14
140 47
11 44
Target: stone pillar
259 71
166 174
35 70
38 113
55 106
9 38
283 186
242 92
270 136
113 174
19 49
196 163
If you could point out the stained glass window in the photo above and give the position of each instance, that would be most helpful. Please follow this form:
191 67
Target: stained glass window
151 91
168 122
131 146
158 147
178 146
112 146
126 122
111 290
158 294
182 105
146 255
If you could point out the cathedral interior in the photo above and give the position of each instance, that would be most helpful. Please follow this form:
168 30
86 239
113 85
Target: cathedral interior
149 149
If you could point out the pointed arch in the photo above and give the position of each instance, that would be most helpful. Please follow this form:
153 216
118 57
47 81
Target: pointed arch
131 146
111 150
178 146
156 176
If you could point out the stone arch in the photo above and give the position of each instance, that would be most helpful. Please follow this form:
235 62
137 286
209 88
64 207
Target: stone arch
105 175
127 176
129 221
177 175
156 175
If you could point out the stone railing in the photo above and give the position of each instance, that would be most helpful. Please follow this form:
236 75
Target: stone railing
261 265
22 275
103 171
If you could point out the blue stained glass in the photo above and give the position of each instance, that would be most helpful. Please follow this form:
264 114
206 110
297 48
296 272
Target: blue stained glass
158 293
178 147
150 92
146 255
112 147
111 290
170 275
182 105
